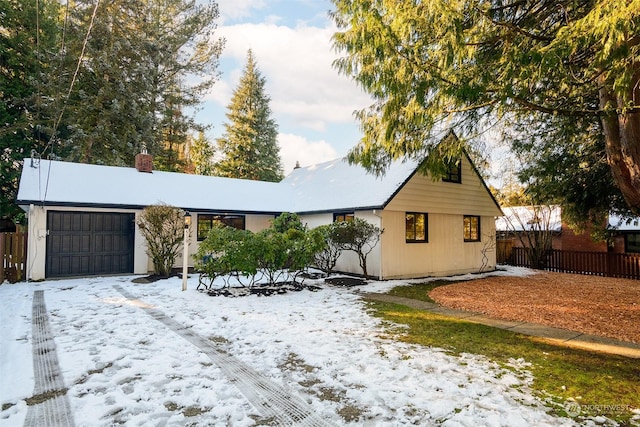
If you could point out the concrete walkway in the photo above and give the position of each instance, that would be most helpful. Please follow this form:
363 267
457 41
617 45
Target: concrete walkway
553 335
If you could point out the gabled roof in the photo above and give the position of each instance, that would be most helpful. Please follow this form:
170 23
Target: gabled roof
326 187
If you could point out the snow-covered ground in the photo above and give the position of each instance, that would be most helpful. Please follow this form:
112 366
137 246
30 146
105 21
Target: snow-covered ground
121 366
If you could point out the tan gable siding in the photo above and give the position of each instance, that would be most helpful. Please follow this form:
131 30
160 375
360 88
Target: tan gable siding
422 194
445 254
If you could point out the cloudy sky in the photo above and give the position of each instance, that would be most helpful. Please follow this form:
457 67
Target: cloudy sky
311 102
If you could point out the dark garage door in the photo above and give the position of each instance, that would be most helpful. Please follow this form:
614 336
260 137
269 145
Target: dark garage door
89 243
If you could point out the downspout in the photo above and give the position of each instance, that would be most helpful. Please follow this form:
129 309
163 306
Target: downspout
29 246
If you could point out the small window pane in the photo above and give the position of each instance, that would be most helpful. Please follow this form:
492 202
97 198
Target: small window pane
454 173
345 216
416 227
410 226
471 228
207 221
420 230
632 242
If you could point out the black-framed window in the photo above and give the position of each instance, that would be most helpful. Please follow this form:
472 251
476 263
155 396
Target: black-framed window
416 225
632 242
207 221
343 216
454 172
471 228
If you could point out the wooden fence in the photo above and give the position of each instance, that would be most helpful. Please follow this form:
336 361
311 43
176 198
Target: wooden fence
608 264
13 256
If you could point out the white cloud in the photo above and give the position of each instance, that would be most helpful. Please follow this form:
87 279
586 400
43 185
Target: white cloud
295 148
304 87
238 9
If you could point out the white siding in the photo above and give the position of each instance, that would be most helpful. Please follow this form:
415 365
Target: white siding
348 261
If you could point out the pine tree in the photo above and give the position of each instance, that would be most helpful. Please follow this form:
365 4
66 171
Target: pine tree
145 62
201 155
249 144
29 42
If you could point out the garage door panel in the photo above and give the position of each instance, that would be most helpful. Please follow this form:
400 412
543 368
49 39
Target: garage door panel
88 243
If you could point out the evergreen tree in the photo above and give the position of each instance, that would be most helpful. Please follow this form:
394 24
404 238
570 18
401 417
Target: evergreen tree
29 41
201 155
249 146
144 63
572 65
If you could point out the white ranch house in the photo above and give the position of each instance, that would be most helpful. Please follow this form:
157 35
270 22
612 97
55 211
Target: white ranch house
82 218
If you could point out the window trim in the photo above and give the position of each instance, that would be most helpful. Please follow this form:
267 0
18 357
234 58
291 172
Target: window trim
217 217
479 230
426 228
348 216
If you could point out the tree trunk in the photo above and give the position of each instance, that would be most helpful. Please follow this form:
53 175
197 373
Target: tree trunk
622 136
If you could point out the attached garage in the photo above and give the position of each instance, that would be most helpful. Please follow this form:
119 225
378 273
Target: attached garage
89 243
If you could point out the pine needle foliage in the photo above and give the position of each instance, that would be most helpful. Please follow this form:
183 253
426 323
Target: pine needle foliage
468 64
249 145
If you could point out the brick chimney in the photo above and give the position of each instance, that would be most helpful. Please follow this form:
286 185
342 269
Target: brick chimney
144 162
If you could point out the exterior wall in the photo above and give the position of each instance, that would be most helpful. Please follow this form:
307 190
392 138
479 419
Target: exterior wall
423 194
567 240
252 223
142 264
446 203
257 223
348 261
445 254
314 220
37 246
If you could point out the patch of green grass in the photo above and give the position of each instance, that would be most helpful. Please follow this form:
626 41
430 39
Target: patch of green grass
605 385
419 291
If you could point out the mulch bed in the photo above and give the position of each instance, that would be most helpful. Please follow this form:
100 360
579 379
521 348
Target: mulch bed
595 305
347 281
261 289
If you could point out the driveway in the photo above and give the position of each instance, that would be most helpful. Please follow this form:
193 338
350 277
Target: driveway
151 354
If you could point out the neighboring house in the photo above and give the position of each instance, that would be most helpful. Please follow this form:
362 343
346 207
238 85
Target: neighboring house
625 232
626 235
82 218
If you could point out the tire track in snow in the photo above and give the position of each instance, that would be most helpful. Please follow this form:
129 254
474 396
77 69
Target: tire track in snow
271 399
49 404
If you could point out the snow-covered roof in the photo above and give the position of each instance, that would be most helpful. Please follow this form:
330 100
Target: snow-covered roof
526 218
337 185
623 223
330 186
77 184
